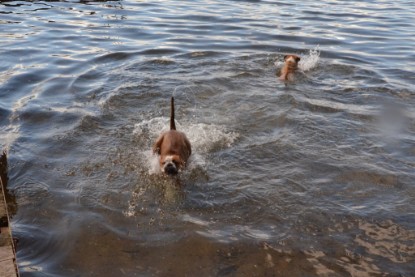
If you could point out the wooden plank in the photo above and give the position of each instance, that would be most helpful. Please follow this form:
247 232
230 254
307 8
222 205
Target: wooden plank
6 253
8 267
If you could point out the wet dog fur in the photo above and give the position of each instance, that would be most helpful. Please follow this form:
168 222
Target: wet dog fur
290 66
173 148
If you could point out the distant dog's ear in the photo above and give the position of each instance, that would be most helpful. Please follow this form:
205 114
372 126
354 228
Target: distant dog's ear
297 59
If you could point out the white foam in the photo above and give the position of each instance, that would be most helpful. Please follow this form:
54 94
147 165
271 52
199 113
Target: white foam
204 139
152 164
278 63
151 127
132 204
310 61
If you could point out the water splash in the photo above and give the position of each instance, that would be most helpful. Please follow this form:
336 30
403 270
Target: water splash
307 62
152 162
205 138
310 61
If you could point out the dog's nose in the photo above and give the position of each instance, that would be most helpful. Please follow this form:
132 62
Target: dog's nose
170 169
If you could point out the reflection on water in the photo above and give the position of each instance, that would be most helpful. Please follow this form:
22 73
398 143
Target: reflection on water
306 178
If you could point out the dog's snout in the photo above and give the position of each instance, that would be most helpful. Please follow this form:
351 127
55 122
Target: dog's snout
170 169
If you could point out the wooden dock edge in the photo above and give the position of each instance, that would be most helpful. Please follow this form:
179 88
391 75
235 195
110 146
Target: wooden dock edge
8 265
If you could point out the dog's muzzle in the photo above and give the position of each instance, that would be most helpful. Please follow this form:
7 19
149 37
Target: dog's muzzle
170 169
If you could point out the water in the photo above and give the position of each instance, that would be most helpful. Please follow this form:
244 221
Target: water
313 177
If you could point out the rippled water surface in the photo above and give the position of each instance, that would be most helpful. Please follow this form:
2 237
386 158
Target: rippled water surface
312 177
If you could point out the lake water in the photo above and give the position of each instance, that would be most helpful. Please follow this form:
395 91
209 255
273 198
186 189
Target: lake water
313 177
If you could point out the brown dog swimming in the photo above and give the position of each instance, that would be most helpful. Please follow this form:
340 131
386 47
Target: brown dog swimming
290 66
173 147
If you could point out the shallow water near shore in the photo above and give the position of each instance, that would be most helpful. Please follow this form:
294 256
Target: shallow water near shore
313 177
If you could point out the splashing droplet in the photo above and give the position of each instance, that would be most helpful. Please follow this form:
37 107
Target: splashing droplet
310 61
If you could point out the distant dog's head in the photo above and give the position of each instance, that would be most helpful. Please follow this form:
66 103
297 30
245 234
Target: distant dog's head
290 66
171 164
292 59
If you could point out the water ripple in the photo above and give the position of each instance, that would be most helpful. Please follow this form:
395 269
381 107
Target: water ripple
307 177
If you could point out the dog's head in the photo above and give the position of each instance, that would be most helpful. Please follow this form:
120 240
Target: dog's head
292 59
171 164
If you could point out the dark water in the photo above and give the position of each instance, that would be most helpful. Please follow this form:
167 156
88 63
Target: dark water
313 177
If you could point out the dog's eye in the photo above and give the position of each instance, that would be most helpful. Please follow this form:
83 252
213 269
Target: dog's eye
179 164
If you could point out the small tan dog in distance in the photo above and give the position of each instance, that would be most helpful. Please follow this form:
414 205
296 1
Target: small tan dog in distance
173 147
290 66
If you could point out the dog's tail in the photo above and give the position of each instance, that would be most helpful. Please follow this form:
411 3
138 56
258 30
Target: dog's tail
172 124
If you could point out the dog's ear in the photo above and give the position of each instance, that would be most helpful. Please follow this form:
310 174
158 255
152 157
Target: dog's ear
297 59
189 147
157 145
285 57
156 150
